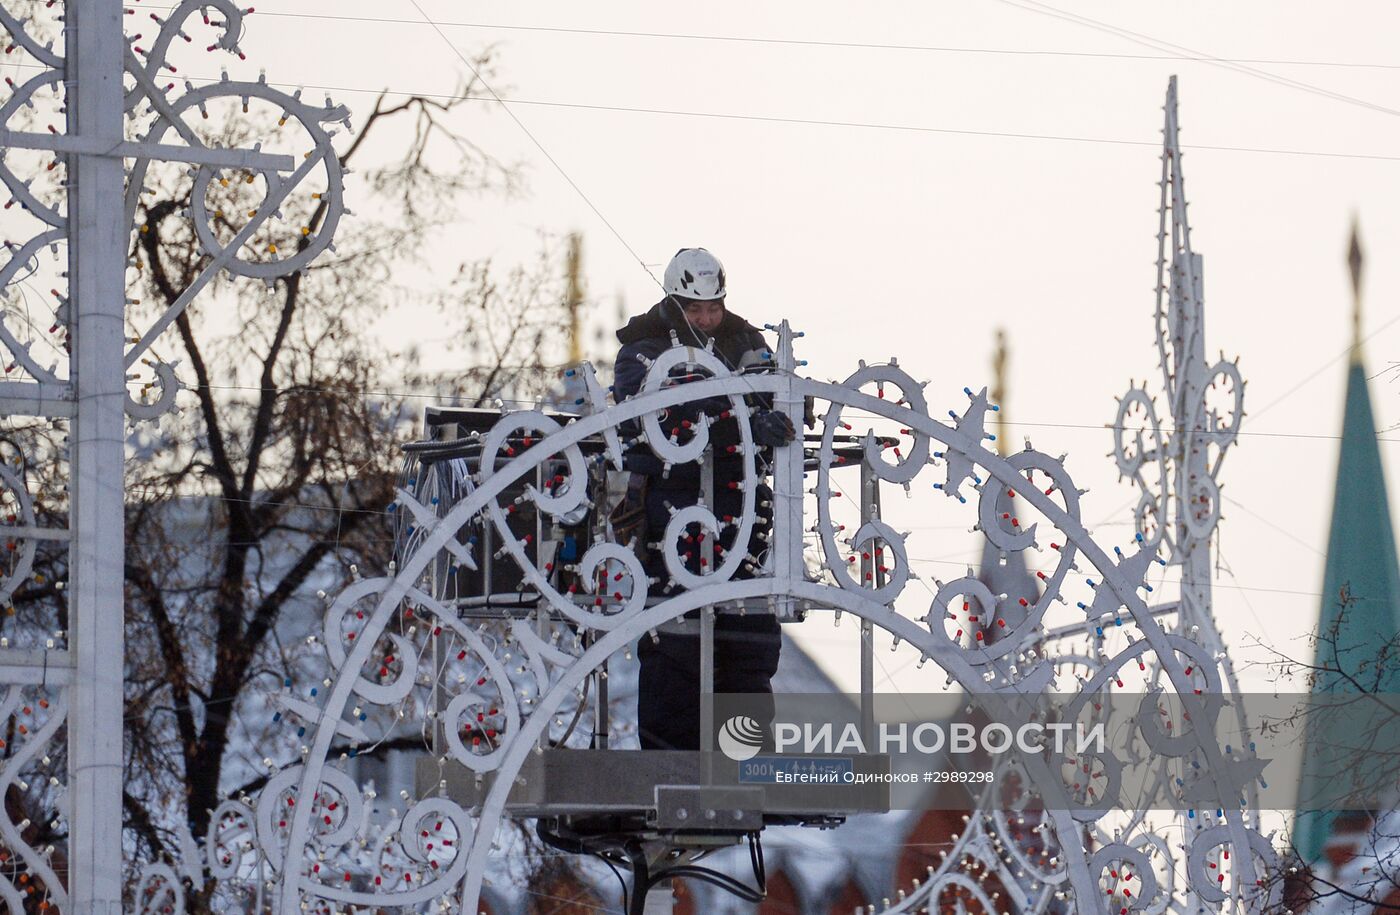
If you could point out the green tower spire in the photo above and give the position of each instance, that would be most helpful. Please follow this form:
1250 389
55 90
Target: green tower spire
1360 613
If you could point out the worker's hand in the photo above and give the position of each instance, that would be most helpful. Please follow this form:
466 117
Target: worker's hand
772 428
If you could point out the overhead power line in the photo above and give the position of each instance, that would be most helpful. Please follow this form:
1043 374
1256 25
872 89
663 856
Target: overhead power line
506 102
818 43
917 128
1149 41
447 397
1318 371
538 145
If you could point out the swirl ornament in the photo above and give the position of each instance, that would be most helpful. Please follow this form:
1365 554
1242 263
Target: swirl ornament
163 124
32 718
20 533
483 686
1181 663
78 112
245 242
34 359
160 891
404 655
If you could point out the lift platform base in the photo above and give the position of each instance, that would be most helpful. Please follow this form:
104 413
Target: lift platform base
666 790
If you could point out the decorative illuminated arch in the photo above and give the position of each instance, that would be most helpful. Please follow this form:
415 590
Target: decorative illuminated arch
308 841
308 828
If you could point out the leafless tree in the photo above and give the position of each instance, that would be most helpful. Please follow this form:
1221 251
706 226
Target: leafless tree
1346 679
278 472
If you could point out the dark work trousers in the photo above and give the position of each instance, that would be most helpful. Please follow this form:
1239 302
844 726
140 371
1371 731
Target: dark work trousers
746 647
668 696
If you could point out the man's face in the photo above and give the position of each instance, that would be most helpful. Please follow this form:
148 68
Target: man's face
705 316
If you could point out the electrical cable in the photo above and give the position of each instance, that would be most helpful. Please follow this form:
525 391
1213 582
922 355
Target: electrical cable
1319 370
621 881
1265 521
908 128
1225 567
1113 427
804 43
714 877
1081 574
641 882
578 713
643 877
818 122
787 851
566 903
1043 9
540 146
760 869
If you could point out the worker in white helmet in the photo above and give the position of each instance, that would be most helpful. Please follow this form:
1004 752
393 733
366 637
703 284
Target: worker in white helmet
746 647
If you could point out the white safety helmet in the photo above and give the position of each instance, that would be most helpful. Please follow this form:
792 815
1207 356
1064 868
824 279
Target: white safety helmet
695 273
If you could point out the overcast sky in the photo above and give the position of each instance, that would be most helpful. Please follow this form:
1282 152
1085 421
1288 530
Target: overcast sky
998 169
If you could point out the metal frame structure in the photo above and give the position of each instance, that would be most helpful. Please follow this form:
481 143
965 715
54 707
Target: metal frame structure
109 86
309 840
1180 508
1174 461
310 827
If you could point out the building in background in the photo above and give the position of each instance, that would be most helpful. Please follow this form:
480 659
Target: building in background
1358 636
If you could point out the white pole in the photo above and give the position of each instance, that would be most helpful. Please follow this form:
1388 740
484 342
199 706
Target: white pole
1193 466
97 258
1187 302
787 477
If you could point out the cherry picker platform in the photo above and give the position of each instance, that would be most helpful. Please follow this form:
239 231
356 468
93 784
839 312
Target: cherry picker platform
647 809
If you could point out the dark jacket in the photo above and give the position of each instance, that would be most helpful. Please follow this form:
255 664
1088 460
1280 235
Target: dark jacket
649 335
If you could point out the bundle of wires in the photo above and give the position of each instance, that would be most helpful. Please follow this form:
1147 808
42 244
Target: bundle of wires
629 848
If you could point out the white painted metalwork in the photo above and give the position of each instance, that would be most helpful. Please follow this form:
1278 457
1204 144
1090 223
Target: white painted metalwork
97 274
312 843
309 839
311 831
1174 461
91 213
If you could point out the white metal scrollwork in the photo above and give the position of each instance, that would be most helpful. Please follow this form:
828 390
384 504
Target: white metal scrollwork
83 98
504 690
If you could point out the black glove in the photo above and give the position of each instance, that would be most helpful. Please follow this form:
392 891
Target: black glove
772 428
